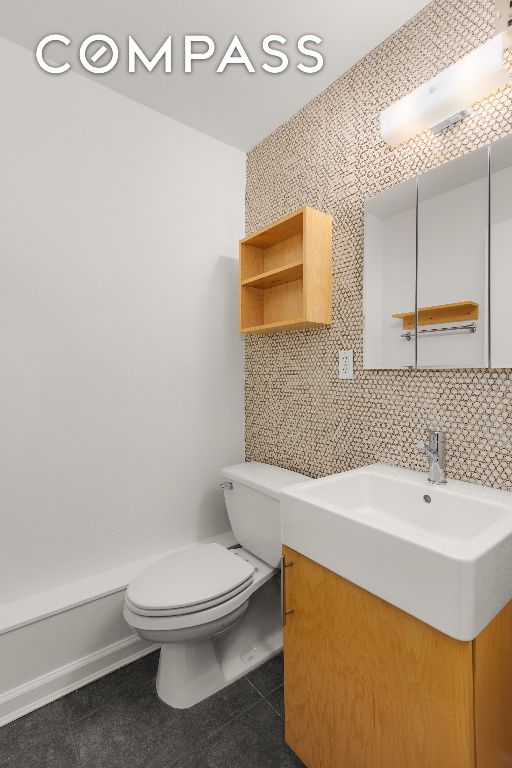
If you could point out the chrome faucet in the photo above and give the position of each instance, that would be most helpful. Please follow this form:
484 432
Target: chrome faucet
435 451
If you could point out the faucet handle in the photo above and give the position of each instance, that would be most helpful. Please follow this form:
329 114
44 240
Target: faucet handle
421 446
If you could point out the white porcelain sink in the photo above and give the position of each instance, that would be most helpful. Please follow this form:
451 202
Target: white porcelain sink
440 553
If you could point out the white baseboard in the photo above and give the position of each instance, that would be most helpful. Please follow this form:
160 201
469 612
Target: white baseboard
42 690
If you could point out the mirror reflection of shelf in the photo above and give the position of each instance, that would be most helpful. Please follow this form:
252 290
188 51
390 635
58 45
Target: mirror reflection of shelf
457 312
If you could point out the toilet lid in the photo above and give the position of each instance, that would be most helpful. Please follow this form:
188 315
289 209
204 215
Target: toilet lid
190 577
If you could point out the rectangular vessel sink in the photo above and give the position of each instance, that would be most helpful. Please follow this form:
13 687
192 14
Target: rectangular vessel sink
442 553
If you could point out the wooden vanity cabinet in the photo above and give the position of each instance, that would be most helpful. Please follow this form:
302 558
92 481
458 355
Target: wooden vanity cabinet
369 686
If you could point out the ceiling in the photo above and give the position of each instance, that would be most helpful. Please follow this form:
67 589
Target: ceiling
235 107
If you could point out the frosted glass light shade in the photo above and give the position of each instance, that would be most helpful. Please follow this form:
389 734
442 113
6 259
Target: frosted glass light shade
453 90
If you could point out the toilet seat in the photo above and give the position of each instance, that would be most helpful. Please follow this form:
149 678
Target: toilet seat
189 581
168 623
150 621
189 608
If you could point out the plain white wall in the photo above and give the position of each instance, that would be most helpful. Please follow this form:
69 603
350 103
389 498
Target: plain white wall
121 391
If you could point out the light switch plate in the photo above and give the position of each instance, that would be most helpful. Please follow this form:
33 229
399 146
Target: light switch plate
346 369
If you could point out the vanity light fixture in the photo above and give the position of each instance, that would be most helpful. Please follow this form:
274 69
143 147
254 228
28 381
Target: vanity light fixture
447 98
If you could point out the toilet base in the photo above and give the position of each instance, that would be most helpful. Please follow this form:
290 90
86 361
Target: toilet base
190 671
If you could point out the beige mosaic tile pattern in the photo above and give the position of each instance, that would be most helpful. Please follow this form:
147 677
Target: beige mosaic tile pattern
330 155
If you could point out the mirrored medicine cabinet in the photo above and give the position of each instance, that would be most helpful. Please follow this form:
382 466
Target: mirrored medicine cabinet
438 267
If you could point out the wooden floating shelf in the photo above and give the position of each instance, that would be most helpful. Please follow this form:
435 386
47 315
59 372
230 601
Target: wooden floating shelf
282 325
442 313
285 274
274 277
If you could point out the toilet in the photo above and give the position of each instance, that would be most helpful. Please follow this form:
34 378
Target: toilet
215 610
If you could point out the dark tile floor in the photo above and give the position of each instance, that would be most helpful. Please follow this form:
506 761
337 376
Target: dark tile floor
119 721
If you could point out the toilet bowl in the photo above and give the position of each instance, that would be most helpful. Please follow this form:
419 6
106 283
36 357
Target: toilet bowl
216 611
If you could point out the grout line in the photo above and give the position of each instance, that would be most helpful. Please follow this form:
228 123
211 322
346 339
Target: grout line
274 710
281 685
268 693
253 686
270 703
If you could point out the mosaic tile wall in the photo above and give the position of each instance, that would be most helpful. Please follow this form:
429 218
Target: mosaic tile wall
299 415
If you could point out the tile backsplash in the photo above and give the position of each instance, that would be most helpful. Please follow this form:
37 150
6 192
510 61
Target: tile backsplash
330 155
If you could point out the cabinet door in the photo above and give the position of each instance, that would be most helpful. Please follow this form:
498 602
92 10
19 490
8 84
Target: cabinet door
389 285
493 692
367 685
453 254
501 259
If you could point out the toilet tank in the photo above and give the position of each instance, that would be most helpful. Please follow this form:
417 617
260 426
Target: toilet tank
253 506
